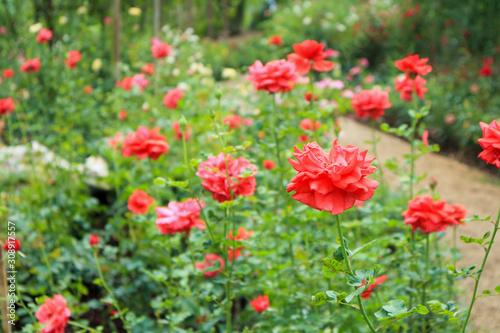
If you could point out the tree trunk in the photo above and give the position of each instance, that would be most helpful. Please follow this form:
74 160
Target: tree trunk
210 19
157 18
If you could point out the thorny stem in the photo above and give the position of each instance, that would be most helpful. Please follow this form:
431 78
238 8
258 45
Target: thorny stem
481 272
348 264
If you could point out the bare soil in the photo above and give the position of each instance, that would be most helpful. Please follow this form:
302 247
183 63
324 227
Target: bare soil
479 191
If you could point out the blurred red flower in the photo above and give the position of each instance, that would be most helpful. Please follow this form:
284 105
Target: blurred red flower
9 72
122 114
148 69
260 304
275 76
370 103
7 105
275 40
178 132
139 202
159 49
241 174
406 86
307 52
210 259
233 120
126 83
180 217
486 69
413 64
145 143
54 313
308 97
44 35
331 181
368 292
432 216
115 141
31 66
12 244
269 164
490 142
93 240
172 98
306 124
73 58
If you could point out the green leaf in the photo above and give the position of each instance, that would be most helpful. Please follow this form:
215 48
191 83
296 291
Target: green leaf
396 309
244 270
486 292
332 266
318 299
228 149
422 309
497 289
362 247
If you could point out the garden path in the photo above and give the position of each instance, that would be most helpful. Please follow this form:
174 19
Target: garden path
457 183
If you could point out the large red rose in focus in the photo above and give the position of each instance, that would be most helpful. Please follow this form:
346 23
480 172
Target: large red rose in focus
180 217
432 216
413 64
275 76
241 173
371 103
490 142
310 51
55 314
145 143
331 181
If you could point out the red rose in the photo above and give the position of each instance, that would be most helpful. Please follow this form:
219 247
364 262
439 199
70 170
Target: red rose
413 64
122 114
73 58
7 105
310 51
371 103
55 314
306 124
275 76
233 120
331 181
44 36
180 217
275 40
8 73
268 164
126 83
172 98
31 66
432 216
12 244
241 174
406 86
160 49
242 235
368 292
145 143
148 69
308 97
490 142
260 304
210 259
139 202
93 240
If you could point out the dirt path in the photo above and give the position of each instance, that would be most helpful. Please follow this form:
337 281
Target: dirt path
457 183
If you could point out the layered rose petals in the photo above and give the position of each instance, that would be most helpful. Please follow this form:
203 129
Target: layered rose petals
307 52
371 103
406 86
331 181
54 314
275 76
180 217
241 174
413 64
145 143
431 215
490 142
139 202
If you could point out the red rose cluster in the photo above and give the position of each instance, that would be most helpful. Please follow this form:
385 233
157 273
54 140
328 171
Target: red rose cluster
413 82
